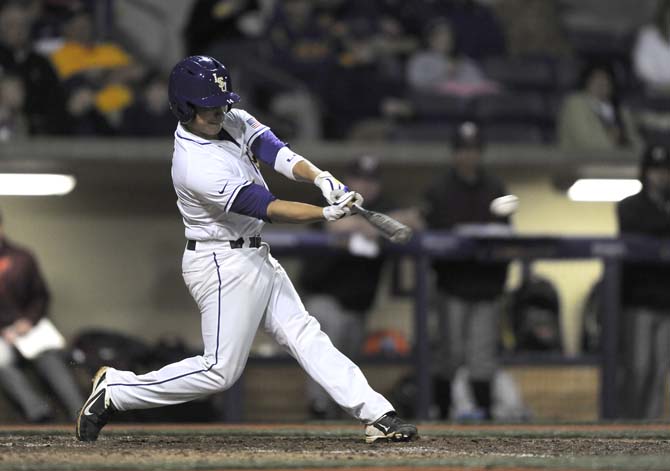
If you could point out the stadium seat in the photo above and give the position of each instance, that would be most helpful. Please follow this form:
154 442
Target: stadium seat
521 73
431 131
513 107
601 43
646 102
660 136
652 116
503 133
448 107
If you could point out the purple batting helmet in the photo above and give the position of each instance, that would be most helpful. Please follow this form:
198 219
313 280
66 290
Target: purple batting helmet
199 81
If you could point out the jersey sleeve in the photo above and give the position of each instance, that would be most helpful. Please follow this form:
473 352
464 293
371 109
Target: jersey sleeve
243 126
253 200
219 187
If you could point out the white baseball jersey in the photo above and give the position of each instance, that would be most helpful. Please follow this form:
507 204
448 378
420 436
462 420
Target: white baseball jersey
237 289
208 175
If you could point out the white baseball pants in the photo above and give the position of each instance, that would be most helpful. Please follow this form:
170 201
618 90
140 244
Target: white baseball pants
236 290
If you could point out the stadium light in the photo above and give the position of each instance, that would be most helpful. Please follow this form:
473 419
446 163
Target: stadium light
36 184
603 189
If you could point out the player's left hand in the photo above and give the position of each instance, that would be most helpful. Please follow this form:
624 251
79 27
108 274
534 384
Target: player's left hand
355 199
331 187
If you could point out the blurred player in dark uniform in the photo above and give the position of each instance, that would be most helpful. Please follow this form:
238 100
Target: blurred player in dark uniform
469 291
644 289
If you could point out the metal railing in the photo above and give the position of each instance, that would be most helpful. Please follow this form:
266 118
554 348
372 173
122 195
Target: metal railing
486 245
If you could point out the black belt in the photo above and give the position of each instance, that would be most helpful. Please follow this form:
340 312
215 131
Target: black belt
254 243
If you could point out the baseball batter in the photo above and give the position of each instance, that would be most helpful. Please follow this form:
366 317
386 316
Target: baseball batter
236 283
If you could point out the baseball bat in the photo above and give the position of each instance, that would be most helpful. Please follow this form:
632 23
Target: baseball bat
388 227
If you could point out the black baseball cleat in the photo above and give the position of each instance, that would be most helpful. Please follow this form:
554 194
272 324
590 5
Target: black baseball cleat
97 409
391 428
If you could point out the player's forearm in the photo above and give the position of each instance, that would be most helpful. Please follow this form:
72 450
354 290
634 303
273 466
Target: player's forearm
305 171
294 212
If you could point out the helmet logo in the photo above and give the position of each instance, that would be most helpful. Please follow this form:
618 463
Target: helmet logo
220 81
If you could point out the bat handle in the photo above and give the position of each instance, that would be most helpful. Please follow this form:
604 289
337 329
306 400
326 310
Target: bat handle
357 208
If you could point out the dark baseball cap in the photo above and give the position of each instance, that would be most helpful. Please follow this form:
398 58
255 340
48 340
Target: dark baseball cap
365 166
467 135
656 156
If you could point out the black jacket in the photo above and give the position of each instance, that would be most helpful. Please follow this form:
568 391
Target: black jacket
644 284
23 291
45 95
452 201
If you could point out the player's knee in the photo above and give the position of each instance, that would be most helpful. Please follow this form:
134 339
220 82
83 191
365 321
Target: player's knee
226 375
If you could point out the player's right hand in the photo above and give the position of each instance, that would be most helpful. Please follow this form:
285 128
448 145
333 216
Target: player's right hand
331 188
340 209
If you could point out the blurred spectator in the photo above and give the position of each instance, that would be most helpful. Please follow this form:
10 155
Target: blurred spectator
593 118
152 29
336 53
295 69
651 54
44 99
533 28
341 308
441 67
13 123
46 18
296 112
98 76
368 32
25 329
469 291
412 16
224 24
644 291
150 114
370 48
477 30
276 83
302 41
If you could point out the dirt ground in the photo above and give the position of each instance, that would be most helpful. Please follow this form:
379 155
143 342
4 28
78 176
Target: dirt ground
275 447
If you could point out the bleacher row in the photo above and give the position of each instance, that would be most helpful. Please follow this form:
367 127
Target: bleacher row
526 109
507 117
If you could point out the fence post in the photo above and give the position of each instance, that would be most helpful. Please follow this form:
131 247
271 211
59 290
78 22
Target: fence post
421 340
233 402
609 338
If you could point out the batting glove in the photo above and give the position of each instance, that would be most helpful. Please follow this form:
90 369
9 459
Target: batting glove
340 209
330 186
356 199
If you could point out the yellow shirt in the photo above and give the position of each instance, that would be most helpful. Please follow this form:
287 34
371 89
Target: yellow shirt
73 58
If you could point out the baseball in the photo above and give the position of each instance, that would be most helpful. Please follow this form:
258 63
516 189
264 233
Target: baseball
505 205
